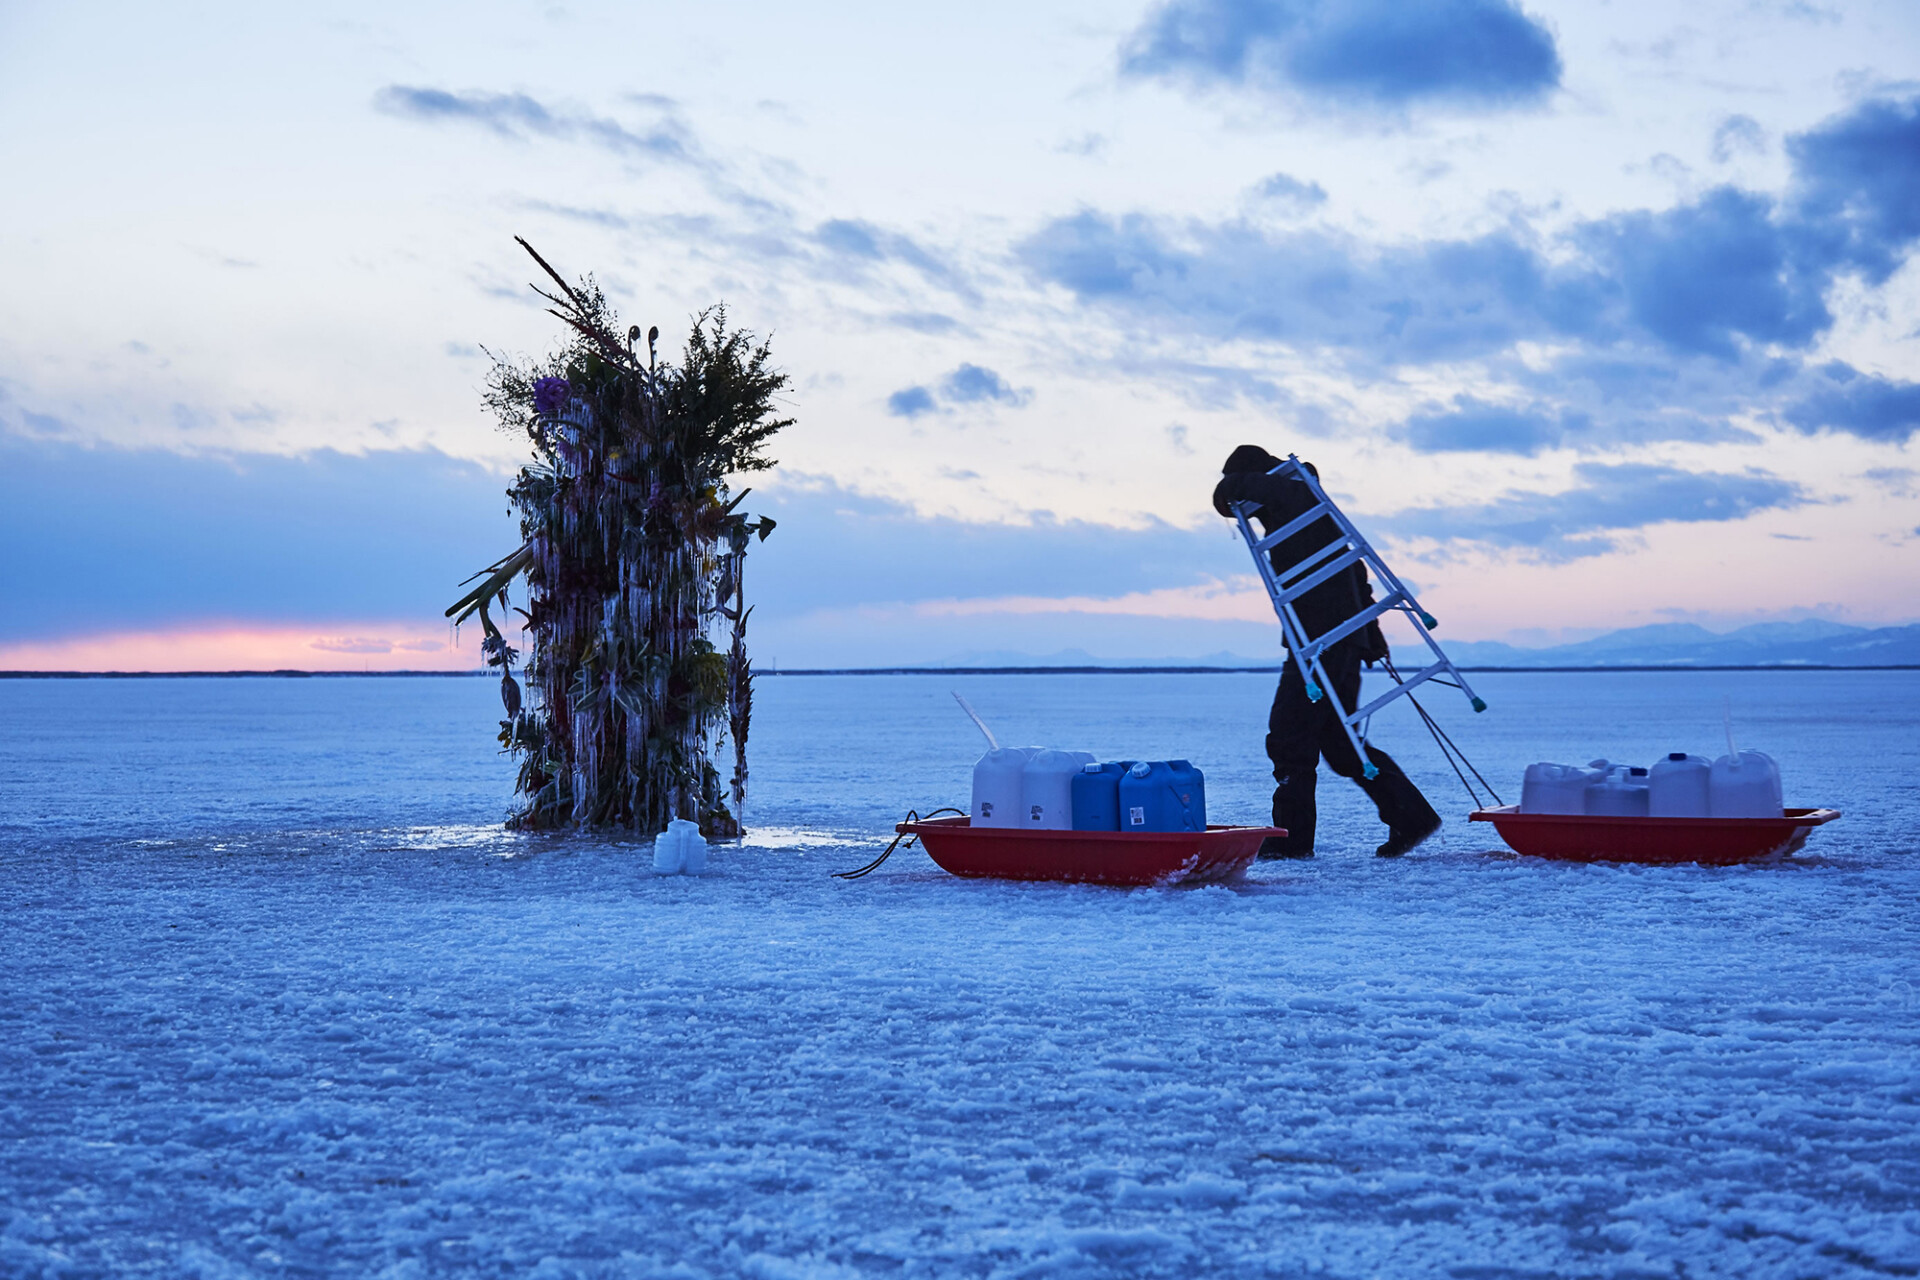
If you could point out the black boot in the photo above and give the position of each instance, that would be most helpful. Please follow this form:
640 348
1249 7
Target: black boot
1409 818
1275 847
1402 840
1293 812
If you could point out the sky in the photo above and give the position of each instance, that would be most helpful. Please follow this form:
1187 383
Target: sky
1590 314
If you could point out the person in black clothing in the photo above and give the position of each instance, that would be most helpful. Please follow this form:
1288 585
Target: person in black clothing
1300 732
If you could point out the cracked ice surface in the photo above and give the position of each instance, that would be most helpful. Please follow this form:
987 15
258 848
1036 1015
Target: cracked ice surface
280 1000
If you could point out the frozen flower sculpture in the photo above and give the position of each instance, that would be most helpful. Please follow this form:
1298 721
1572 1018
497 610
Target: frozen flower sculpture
634 546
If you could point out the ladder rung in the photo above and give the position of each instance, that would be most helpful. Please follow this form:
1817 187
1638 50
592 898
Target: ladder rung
1288 594
1293 526
1306 564
1327 639
1406 686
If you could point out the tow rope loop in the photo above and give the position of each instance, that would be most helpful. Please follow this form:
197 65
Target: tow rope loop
1448 747
913 815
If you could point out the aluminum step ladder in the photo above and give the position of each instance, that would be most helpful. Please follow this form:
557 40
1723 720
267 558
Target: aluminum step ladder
1337 557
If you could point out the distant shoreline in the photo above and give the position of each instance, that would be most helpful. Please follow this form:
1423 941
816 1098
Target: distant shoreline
1665 668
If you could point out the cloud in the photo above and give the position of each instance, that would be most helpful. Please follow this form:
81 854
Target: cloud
1737 134
1087 144
837 548
1418 302
910 402
1367 53
1474 425
929 322
1239 598
1605 500
1715 276
847 562
353 644
1719 269
844 235
1864 405
854 241
592 217
515 115
1716 300
1858 177
1898 479
1285 189
971 384
150 539
968 384
375 644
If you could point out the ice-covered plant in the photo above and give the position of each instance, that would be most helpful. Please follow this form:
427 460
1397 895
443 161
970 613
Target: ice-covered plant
633 556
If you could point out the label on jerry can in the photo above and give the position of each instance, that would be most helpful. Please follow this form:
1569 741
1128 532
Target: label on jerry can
1137 815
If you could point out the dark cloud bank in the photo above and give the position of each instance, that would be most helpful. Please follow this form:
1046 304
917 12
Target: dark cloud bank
146 538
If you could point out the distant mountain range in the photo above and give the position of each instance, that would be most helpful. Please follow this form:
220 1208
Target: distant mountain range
1813 642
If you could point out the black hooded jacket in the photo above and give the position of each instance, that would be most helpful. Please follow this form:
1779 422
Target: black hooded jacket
1244 478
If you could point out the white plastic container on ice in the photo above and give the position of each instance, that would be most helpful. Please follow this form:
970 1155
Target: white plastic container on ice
1555 788
1046 795
680 849
1744 784
1622 793
1677 786
998 781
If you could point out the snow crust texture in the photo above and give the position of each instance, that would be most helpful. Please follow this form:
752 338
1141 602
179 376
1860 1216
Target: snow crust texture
230 1048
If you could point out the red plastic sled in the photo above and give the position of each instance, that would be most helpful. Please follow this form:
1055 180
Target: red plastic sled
1715 841
1090 857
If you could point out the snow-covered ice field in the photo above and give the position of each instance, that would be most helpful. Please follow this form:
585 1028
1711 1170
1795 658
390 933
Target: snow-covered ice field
278 1000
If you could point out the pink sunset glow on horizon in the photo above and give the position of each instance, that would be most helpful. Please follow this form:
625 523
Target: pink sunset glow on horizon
364 646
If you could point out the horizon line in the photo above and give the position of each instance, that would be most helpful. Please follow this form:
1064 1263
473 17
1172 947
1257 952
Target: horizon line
287 673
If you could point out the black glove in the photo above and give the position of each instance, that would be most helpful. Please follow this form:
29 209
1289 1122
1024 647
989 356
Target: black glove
1226 493
1373 643
1244 486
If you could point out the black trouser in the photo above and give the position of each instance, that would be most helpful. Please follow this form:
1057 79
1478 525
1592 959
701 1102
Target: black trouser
1300 732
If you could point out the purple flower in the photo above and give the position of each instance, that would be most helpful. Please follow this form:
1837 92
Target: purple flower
550 396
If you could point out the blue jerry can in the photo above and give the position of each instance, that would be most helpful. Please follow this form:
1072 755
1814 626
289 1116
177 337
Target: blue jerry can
1163 795
1096 796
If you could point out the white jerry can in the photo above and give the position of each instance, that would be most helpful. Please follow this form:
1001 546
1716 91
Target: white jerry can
1744 785
1677 786
998 780
680 849
1046 789
1555 788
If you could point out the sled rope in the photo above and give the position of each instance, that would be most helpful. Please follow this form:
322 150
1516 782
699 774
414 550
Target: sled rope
1448 747
913 815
